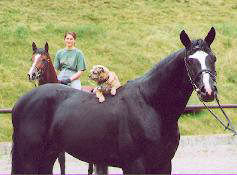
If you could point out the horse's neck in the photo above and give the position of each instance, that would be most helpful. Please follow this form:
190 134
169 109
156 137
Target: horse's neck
49 76
166 87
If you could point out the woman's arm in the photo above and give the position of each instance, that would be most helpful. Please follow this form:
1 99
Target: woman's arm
76 75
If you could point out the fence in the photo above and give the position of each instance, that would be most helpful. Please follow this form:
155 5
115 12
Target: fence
188 109
5 110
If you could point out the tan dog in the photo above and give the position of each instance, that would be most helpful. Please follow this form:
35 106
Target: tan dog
107 82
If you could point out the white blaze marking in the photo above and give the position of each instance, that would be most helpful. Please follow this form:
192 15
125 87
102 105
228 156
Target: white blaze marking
201 57
37 56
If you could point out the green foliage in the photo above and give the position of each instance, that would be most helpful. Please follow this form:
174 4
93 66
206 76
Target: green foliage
5 128
127 36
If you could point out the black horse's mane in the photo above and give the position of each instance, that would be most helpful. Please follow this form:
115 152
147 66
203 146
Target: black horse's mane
160 66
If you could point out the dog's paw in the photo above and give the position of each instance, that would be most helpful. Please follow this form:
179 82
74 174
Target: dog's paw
113 91
101 99
94 90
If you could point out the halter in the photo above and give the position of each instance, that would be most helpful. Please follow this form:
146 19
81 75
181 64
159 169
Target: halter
229 125
193 80
40 72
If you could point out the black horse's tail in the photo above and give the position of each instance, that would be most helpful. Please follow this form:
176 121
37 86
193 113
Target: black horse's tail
14 154
16 163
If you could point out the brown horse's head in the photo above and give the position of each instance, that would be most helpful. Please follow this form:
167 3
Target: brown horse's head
42 68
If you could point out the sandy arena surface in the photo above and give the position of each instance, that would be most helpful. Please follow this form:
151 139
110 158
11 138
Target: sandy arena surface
215 154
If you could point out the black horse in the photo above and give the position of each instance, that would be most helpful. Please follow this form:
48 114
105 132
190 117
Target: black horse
136 130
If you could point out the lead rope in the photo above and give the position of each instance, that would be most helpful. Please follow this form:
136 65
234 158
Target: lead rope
229 125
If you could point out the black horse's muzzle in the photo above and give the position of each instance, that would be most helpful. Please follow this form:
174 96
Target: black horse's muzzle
207 96
207 93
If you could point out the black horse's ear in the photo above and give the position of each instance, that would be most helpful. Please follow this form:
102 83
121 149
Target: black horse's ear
185 39
210 36
34 47
46 47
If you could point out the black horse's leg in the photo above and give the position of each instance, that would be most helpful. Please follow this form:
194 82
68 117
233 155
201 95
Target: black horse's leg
134 167
101 169
27 166
159 168
90 168
47 162
165 168
61 161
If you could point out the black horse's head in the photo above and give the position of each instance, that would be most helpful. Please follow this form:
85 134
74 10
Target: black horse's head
200 65
40 59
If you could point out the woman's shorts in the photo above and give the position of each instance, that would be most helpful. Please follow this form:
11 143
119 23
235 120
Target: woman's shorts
65 74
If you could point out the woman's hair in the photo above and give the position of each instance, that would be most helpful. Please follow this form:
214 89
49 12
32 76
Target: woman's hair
74 35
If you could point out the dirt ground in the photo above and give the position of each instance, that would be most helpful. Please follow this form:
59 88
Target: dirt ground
196 155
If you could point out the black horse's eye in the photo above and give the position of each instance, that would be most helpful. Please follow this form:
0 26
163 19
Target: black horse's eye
214 58
189 61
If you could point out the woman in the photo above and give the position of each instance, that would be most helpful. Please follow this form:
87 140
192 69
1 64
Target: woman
70 62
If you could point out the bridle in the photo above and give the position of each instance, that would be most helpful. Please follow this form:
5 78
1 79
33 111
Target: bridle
40 71
193 80
229 126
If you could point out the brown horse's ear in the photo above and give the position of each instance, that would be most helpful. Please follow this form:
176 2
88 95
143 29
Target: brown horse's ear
185 39
34 47
46 47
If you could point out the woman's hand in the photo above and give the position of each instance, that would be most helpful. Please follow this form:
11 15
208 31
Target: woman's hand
66 81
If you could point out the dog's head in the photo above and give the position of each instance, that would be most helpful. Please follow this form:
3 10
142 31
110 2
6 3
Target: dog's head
99 73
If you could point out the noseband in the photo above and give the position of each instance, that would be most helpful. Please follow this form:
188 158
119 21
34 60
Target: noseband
212 75
41 72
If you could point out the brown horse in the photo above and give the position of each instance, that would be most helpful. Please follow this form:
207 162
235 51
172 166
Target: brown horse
42 70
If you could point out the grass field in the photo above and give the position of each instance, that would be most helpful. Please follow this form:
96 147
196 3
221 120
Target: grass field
127 36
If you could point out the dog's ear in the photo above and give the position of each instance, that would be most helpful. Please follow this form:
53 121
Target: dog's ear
100 69
106 69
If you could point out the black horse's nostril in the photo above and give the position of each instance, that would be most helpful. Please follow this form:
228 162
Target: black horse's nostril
203 90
